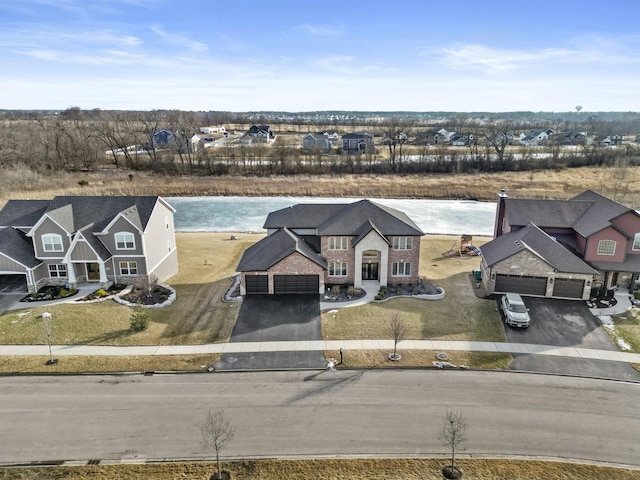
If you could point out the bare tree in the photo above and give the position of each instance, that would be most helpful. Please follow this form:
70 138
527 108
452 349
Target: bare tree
398 331
453 434
497 136
216 432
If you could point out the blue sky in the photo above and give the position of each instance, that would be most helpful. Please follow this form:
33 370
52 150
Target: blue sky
479 55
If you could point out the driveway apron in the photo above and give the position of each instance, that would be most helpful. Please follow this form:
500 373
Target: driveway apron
565 323
273 318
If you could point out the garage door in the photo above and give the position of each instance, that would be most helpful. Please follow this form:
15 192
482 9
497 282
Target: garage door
296 284
256 284
568 288
13 283
521 284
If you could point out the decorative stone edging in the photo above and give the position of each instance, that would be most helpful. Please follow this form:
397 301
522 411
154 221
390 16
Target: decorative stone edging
172 298
422 296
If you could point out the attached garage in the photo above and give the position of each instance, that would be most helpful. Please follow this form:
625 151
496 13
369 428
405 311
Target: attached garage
13 283
568 288
296 284
256 284
524 285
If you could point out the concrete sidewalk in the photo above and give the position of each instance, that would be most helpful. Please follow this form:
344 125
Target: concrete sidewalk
320 345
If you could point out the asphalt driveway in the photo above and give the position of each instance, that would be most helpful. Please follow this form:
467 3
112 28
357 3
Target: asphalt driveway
273 318
565 323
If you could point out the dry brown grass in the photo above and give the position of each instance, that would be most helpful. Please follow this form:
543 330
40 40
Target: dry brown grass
107 364
330 469
558 184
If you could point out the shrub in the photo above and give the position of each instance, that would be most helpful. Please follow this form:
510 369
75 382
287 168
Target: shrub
164 296
64 292
351 291
139 320
83 183
378 297
636 295
336 289
101 292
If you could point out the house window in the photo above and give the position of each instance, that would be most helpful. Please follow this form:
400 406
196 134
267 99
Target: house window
606 247
402 243
52 242
125 241
338 269
58 271
128 268
401 269
370 253
166 222
636 242
338 243
169 245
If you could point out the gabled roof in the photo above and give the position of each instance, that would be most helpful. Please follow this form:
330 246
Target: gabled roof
274 248
80 211
602 211
586 213
536 241
364 230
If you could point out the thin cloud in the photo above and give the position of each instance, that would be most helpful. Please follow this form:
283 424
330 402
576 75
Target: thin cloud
179 39
321 30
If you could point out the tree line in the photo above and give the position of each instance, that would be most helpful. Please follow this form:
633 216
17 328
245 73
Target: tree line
85 140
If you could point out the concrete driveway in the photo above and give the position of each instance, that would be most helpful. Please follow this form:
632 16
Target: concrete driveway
565 323
12 289
273 318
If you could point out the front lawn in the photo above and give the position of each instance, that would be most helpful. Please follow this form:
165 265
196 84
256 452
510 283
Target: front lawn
461 315
626 333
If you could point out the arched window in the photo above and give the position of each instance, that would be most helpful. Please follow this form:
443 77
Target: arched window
606 247
125 241
52 242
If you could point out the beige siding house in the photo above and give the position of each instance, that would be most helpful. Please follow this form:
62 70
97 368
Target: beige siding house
70 240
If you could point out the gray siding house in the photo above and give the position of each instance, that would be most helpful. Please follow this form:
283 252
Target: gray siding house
70 240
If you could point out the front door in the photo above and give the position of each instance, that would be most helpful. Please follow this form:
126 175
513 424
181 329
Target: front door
93 272
369 271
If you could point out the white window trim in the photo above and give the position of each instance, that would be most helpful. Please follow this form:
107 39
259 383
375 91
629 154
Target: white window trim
128 268
342 242
128 235
52 236
59 270
339 265
402 243
606 242
395 267
636 242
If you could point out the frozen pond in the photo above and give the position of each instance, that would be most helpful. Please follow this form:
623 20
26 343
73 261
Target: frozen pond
247 214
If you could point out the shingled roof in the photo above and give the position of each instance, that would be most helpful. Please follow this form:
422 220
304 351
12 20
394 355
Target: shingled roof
539 243
586 213
343 219
273 249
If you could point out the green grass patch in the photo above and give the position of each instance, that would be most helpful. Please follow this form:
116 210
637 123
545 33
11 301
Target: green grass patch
627 329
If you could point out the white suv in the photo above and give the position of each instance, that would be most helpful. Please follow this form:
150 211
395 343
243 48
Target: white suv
515 312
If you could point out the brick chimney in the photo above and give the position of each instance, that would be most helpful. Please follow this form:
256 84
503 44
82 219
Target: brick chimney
498 228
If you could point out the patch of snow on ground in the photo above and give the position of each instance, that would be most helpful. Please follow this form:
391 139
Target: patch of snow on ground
606 321
623 345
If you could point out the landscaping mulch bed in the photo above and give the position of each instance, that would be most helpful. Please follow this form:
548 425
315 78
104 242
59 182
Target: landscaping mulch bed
114 289
48 293
144 297
421 288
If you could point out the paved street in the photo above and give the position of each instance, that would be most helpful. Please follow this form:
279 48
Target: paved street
133 418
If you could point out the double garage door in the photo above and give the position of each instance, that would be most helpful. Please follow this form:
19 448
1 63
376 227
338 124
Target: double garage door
562 288
282 284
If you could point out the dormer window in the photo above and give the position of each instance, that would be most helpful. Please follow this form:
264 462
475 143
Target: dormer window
125 241
606 247
52 242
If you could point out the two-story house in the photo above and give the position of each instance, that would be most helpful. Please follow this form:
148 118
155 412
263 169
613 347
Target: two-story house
536 138
316 141
309 246
75 239
260 134
562 248
358 142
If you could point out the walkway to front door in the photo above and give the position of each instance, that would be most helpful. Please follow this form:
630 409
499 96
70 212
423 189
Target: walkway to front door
370 271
